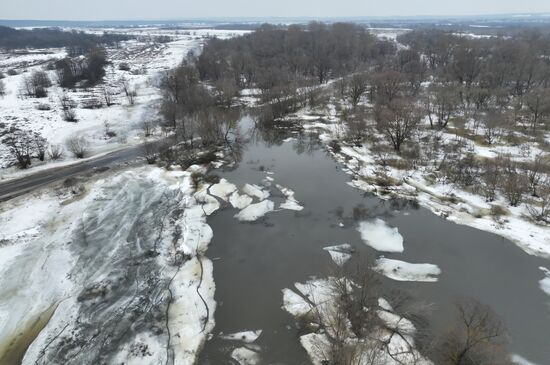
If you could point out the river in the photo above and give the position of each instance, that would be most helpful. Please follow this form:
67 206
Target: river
253 262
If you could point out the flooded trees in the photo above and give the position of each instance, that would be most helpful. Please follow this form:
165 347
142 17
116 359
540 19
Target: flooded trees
477 337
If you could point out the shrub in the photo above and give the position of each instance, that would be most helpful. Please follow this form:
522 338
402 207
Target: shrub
78 146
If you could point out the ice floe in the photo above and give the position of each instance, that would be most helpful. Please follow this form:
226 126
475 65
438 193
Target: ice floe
545 282
240 201
404 271
245 356
291 203
244 336
256 191
222 189
340 254
380 236
254 212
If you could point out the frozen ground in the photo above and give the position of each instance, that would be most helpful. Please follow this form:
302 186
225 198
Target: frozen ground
116 272
107 128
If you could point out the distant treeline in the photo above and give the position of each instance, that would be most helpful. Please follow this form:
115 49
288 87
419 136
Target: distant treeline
274 56
79 42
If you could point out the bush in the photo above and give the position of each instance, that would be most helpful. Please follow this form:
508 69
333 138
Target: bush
78 146
55 152
12 72
124 67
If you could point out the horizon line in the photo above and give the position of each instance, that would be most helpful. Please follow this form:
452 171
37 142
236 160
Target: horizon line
293 17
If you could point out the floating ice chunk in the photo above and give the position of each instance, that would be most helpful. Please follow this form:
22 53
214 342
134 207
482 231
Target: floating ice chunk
295 304
520 360
208 203
291 203
245 356
404 271
396 322
244 336
340 254
317 346
380 236
255 211
255 190
545 283
240 201
384 304
222 189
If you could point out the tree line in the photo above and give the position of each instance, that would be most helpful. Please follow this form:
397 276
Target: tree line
76 42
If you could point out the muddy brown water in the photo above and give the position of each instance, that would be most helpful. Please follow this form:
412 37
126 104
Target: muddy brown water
253 262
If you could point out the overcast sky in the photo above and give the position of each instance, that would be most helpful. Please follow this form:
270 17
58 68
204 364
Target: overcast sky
183 9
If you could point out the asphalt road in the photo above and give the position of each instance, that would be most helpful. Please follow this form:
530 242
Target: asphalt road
20 186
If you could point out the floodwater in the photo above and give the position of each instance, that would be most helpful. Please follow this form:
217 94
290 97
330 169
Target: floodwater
253 262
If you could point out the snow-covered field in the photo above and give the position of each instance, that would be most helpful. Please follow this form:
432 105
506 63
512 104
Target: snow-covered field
106 128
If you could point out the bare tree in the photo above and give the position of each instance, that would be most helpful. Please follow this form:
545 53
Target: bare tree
78 146
398 121
535 173
40 147
514 184
538 103
443 102
21 146
129 91
107 96
491 175
540 210
36 85
478 337
68 108
357 87
226 91
147 126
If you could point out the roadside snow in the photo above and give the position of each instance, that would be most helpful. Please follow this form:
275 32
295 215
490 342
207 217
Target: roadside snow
380 236
404 271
